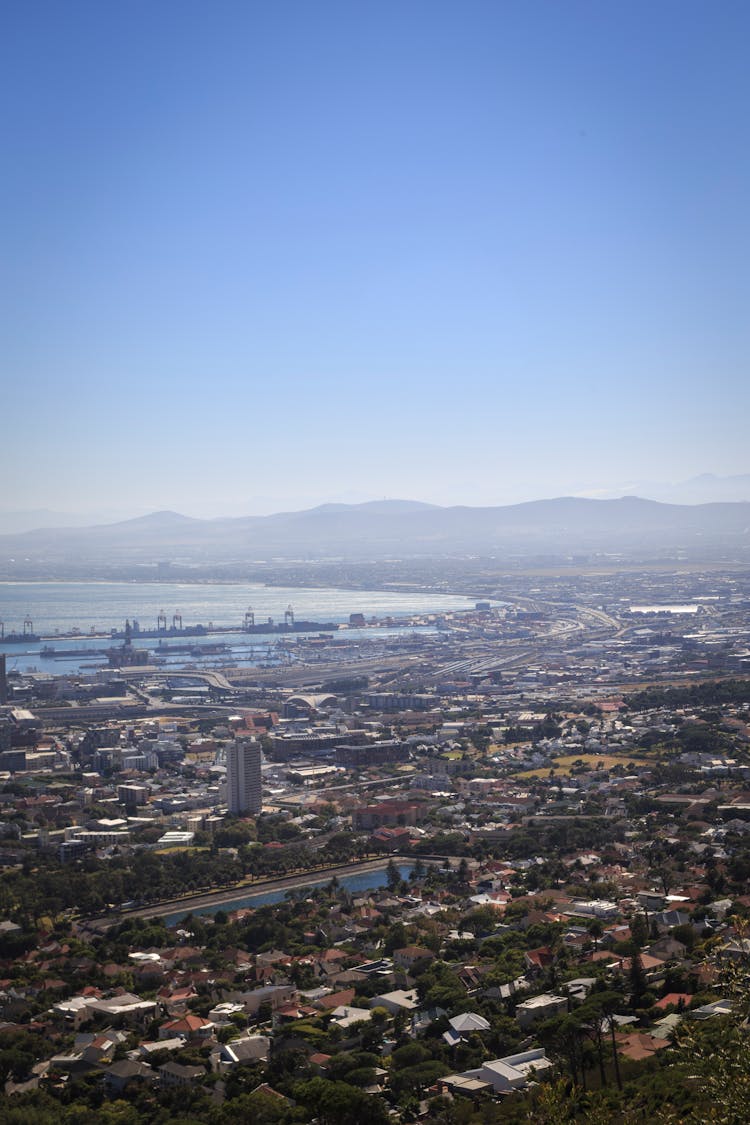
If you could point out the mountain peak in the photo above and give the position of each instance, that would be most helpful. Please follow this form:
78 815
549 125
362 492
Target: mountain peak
164 518
375 507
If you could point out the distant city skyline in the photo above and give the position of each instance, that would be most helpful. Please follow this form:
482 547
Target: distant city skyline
262 257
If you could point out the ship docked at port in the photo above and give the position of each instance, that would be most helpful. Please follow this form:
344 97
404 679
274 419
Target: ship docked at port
28 636
176 627
166 629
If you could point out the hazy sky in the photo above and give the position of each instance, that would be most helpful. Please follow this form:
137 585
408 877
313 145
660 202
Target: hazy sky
260 255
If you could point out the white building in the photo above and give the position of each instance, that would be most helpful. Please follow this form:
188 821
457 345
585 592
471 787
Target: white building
396 1001
594 908
514 1072
345 1017
244 792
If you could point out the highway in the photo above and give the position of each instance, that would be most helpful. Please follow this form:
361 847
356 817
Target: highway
214 679
471 656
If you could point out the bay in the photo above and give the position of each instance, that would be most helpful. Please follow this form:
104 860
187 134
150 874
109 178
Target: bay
93 609
103 606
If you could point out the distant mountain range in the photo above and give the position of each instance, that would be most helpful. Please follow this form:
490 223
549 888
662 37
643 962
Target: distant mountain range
704 489
397 528
31 519
708 488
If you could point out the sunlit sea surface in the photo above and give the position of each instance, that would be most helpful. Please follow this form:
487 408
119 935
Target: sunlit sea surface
105 605
54 608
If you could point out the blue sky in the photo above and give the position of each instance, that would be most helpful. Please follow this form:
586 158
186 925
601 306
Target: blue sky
263 255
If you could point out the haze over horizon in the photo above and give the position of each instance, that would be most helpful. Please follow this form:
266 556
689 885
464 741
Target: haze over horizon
706 489
258 258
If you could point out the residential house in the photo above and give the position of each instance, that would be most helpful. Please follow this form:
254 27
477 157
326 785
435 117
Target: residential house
120 1074
512 1072
538 1008
240 1052
539 960
345 1016
464 1025
397 1001
408 956
191 1028
175 1074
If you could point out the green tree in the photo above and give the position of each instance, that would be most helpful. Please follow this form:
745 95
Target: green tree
596 929
418 871
637 979
336 1103
639 930
562 1037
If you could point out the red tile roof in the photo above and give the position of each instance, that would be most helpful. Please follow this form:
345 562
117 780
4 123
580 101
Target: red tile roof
673 1000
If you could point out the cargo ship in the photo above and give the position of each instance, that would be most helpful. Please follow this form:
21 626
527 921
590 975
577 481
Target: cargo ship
49 652
172 631
205 631
293 627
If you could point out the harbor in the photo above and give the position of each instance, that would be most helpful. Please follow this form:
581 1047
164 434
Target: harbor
69 627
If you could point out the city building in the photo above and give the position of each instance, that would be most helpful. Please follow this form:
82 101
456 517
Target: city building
244 793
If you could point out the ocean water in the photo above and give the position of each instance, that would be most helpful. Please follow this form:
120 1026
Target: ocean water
102 606
95 608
